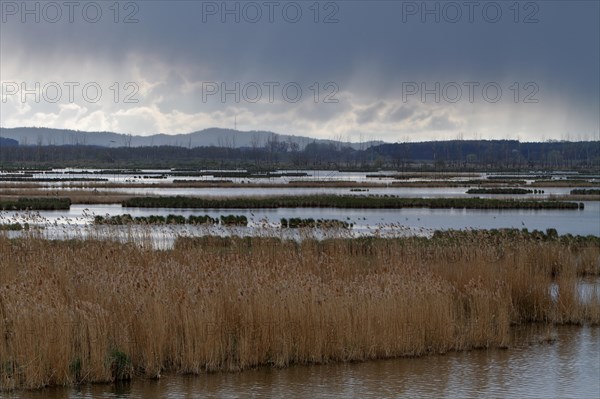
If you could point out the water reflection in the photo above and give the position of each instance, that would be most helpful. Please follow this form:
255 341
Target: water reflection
414 221
568 367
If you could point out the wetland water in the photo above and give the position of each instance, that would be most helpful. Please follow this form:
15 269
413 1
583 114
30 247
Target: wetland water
168 175
149 176
421 221
566 367
410 192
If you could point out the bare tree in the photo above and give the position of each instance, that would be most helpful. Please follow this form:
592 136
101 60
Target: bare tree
127 140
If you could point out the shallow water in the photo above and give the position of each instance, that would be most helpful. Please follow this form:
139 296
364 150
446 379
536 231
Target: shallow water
166 175
419 221
568 367
163 175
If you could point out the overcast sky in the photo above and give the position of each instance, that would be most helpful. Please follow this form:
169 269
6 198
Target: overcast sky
389 70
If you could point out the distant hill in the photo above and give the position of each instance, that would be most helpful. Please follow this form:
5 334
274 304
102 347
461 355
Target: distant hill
8 142
203 138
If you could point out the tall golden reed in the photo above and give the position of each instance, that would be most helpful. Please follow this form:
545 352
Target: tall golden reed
75 311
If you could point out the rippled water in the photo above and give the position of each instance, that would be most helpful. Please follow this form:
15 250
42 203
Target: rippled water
568 367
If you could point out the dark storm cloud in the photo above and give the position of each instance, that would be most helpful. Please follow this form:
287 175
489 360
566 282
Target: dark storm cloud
372 49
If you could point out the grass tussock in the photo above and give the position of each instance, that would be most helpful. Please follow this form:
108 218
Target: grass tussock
14 226
126 219
300 223
77 311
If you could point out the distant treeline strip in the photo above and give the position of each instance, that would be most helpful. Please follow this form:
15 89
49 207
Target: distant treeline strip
508 191
35 204
52 180
444 155
334 201
585 192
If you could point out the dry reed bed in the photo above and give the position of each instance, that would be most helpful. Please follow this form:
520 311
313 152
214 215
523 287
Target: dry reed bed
76 196
571 197
80 311
92 196
343 201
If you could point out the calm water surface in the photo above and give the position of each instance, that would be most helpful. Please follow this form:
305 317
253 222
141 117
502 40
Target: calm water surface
420 221
165 175
568 367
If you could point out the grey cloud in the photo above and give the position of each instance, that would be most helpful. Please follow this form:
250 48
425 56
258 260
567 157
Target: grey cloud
369 114
368 54
441 122
401 113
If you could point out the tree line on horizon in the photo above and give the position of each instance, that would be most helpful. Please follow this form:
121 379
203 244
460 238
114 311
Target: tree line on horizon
455 154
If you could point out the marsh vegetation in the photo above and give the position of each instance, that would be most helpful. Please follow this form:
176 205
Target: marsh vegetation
343 201
88 310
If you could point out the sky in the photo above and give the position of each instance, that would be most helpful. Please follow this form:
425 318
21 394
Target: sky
353 70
